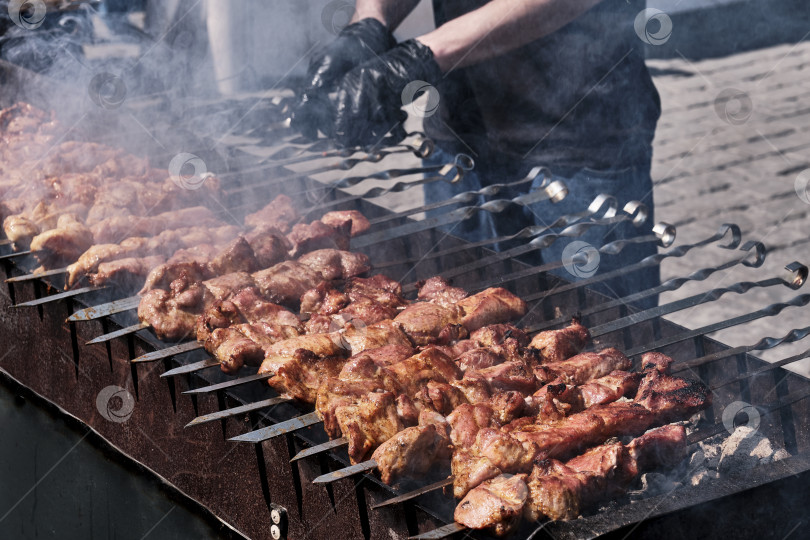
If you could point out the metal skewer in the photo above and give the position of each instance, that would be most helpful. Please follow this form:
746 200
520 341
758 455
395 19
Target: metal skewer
230 384
634 211
692 439
603 205
755 248
236 411
281 428
60 296
37 275
167 352
662 233
555 191
118 333
741 287
16 254
105 310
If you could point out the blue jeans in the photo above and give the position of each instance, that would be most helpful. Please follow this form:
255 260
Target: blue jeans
626 184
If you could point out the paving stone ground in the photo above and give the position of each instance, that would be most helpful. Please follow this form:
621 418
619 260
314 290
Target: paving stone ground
733 137
737 160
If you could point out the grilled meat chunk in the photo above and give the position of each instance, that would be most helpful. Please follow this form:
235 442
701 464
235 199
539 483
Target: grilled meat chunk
426 322
412 452
301 376
279 214
558 345
583 367
491 306
238 256
438 291
65 243
285 282
496 504
126 273
269 245
564 491
338 219
335 264
317 235
368 422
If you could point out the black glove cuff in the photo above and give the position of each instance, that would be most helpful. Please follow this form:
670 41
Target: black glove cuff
420 59
372 33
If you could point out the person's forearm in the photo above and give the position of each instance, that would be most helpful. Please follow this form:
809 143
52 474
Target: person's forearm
388 12
497 28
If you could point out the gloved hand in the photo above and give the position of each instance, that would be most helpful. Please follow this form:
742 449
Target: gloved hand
354 45
369 98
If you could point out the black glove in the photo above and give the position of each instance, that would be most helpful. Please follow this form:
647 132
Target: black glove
369 99
354 45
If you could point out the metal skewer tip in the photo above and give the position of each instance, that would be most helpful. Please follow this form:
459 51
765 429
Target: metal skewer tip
415 493
346 472
191 368
167 352
118 333
281 428
37 275
230 384
105 310
236 411
325 447
60 296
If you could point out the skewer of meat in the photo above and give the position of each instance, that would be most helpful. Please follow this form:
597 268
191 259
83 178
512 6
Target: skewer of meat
557 490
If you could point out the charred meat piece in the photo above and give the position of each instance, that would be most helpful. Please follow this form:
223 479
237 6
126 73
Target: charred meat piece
412 452
321 345
426 322
557 399
559 345
496 504
317 235
358 337
243 306
672 398
368 422
467 420
301 376
564 491
269 245
279 214
438 291
173 316
233 349
378 288
506 376
335 393
494 335
493 305
338 219
440 397
368 311
428 365
238 256
127 274
583 367
285 282
242 344
334 264
65 243
323 299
